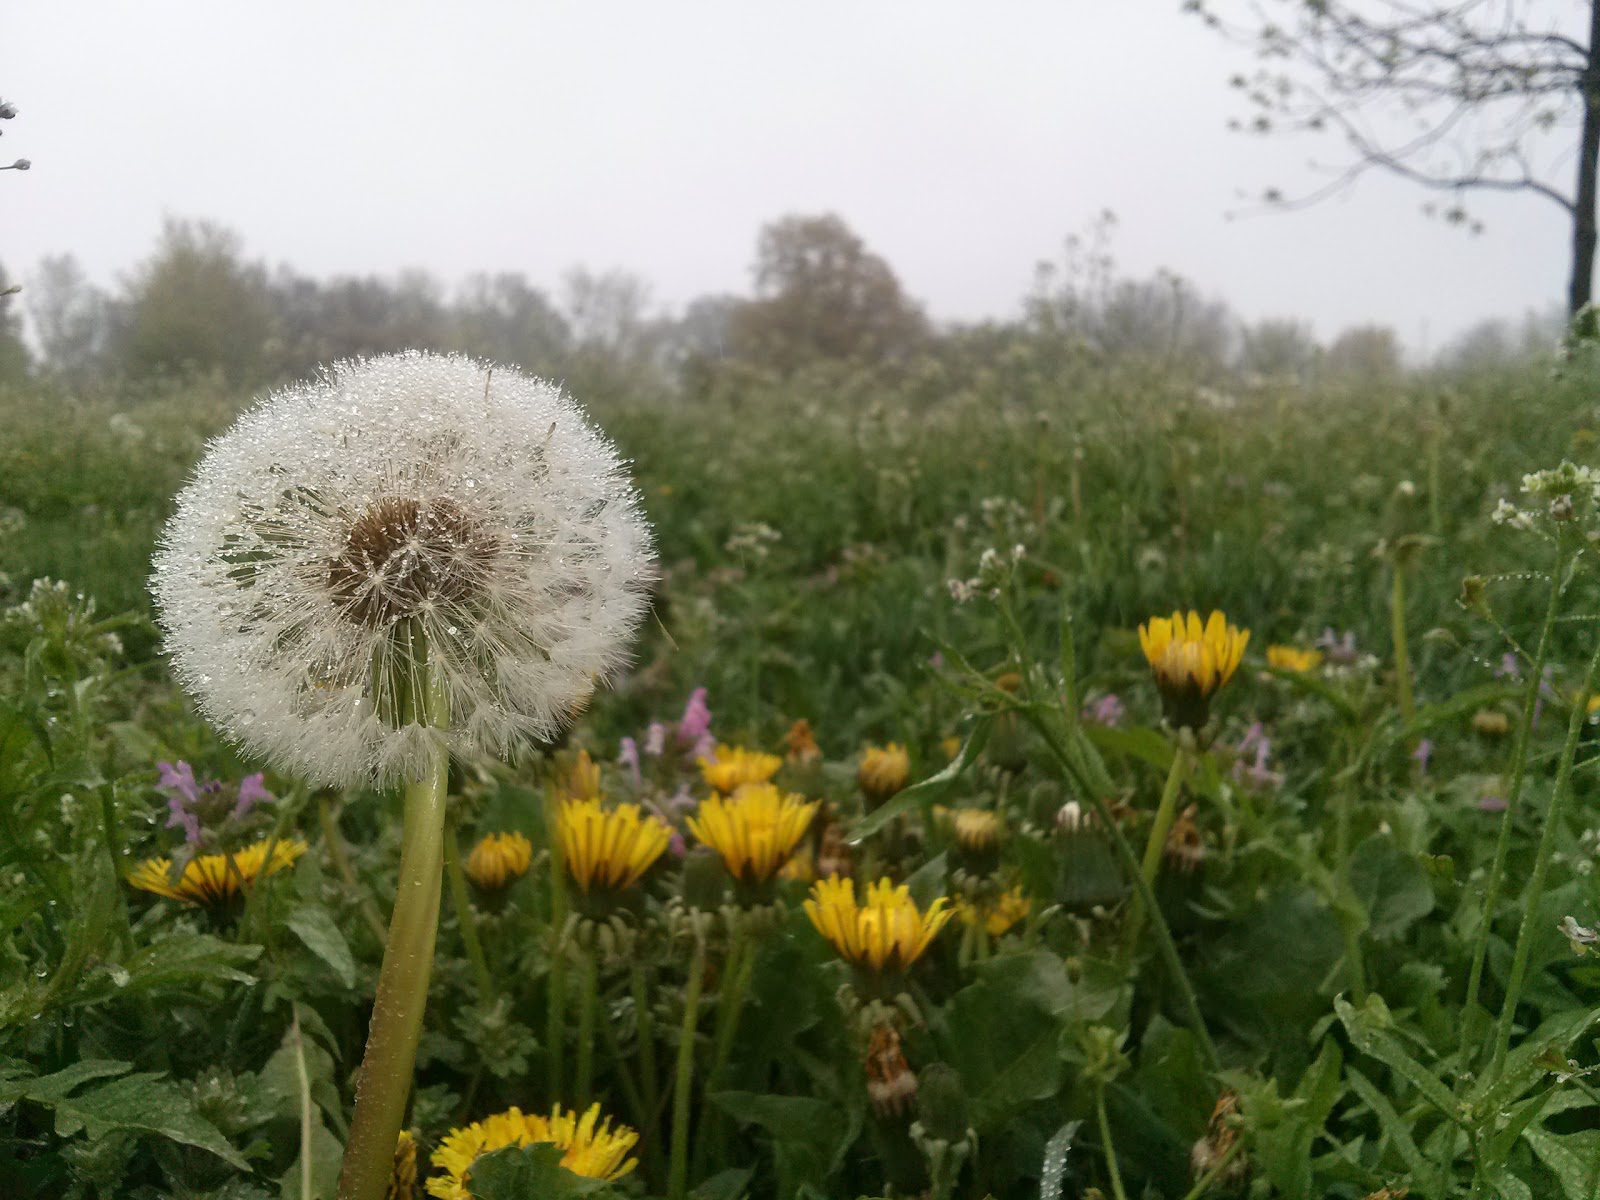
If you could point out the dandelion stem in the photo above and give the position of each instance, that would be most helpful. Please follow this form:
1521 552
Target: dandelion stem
645 1036
460 901
1547 840
678 1172
556 996
1349 909
588 1001
402 994
307 1183
740 966
1519 764
1166 810
334 843
1106 1144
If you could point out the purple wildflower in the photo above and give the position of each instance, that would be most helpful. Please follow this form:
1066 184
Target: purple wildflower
629 757
695 724
1489 802
1510 667
251 792
1107 710
655 739
182 794
1422 754
1340 650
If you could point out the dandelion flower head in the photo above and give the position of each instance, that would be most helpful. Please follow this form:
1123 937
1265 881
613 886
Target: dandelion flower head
883 770
1292 658
499 859
733 767
609 848
215 879
885 929
592 1147
755 830
395 511
1191 659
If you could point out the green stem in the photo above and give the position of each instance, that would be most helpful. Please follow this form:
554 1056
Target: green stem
740 966
1166 811
1147 898
1402 660
1348 905
1547 841
645 1037
556 997
460 901
678 1172
630 1088
303 1077
1519 764
402 994
334 843
588 1002
1106 1144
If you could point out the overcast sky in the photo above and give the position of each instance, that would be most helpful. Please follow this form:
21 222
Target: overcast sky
962 141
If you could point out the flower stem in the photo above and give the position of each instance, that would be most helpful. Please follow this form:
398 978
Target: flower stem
303 1078
678 1172
1519 764
1106 1144
463 905
588 1002
740 966
556 993
1166 810
1349 920
1547 840
402 994
645 1036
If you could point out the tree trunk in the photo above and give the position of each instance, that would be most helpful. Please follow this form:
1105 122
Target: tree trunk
1583 216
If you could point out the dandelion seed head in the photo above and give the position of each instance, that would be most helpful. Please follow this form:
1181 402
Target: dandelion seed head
391 497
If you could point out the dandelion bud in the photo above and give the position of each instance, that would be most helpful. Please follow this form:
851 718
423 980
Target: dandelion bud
942 1103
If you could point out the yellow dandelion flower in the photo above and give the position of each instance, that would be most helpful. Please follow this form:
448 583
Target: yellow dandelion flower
499 859
1191 661
883 771
609 848
976 828
801 867
215 878
593 1148
997 915
1292 658
887 929
581 780
403 1176
1492 723
733 768
755 830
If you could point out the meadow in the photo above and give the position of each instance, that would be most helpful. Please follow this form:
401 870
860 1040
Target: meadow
1330 937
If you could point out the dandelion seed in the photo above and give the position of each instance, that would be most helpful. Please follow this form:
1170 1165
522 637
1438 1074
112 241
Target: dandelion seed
396 512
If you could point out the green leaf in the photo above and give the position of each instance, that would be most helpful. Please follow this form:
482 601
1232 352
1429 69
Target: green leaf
1002 1033
143 1103
1368 1028
1305 681
1573 1158
809 1136
1458 707
313 925
1391 884
182 963
927 789
532 1172
724 1185
326 1156
1395 1130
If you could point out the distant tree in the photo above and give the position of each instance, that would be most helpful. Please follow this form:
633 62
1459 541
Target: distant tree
321 322
1164 319
822 295
195 304
1497 342
1454 97
502 319
1366 355
1278 349
14 357
72 319
608 314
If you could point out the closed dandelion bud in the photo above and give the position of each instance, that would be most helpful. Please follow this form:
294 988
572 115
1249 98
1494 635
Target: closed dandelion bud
1089 877
883 772
498 860
942 1103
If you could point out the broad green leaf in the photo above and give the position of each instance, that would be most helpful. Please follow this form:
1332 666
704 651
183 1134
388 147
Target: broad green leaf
326 1156
724 1185
313 925
179 963
1395 1130
1391 884
143 1103
1573 1158
809 1136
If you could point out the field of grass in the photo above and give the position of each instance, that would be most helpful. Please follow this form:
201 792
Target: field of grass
1298 1013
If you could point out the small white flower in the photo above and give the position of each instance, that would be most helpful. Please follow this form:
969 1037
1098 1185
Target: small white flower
404 495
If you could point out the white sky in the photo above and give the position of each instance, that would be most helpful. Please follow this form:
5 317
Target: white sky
962 141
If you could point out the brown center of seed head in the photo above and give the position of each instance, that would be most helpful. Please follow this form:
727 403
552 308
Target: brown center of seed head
403 555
